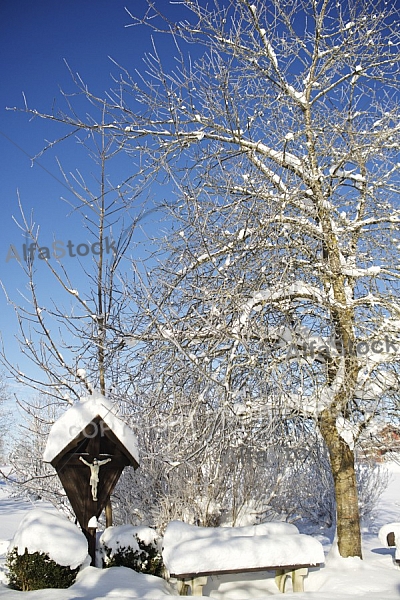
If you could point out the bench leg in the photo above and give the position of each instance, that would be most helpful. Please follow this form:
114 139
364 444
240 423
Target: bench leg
197 584
298 579
280 579
183 587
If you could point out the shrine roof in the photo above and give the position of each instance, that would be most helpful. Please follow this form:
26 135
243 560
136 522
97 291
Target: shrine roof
71 423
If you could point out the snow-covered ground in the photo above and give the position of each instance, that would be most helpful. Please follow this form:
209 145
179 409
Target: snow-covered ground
377 577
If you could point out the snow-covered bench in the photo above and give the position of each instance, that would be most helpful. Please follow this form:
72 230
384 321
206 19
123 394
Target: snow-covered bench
389 535
191 553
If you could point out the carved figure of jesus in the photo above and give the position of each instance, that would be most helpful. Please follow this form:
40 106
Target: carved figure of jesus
94 473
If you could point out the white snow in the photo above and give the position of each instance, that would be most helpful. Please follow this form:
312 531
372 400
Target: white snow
146 534
93 522
78 416
297 95
376 577
269 48
182 532
370 388
348 431
119 537
117 583
351 272
123 536
189 549
52 534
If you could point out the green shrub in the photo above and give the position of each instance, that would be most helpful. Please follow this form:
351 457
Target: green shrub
148 560
37 571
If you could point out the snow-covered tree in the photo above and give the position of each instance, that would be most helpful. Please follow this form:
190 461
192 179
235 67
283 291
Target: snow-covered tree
5 420
278 131
67 335
30 475
70 337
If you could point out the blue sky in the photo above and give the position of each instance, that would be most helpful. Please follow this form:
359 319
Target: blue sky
35 40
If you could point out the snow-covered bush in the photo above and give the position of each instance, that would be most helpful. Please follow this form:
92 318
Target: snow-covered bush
134 547
36 571
47 551
312 499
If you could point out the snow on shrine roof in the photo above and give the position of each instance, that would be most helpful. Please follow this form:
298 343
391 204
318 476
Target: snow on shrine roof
78 416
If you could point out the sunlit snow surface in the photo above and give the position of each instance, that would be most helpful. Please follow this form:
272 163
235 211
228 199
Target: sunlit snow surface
53 534
125 536
374 578
189 549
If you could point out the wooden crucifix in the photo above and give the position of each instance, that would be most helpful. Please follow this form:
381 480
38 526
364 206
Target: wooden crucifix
94 473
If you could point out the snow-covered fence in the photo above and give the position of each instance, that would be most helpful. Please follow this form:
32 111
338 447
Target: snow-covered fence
193 553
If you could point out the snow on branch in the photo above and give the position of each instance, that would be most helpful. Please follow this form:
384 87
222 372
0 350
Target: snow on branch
269 49
294 292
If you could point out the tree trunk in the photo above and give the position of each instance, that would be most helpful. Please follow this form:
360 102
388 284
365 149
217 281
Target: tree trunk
344 476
